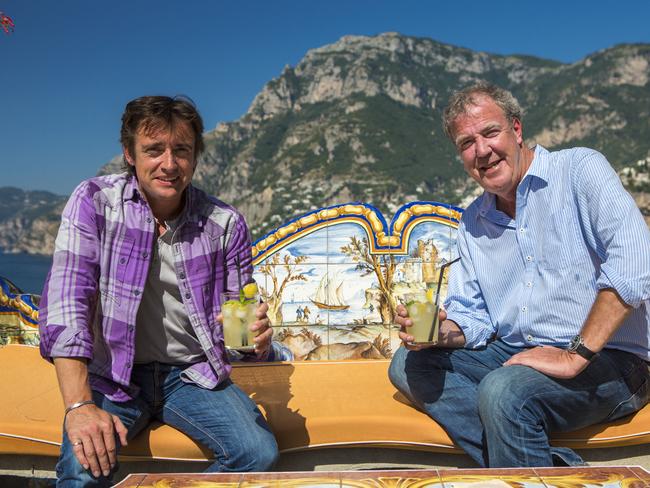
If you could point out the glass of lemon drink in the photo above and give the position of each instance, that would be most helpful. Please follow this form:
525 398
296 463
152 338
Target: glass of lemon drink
238 310
421 306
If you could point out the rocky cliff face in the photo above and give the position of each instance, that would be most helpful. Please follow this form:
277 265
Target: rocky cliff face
29 220
360 120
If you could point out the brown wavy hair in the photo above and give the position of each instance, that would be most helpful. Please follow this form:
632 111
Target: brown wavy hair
152 113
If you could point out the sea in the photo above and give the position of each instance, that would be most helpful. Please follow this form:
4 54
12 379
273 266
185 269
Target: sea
26 271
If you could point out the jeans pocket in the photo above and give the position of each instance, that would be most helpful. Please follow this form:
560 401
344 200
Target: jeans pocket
638 399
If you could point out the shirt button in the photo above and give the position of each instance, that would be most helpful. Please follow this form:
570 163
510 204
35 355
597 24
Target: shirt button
524 308
148 219
122 260
521 230
145 254
131 326
188 295
182 276
529 338
136 292
529 284
529 258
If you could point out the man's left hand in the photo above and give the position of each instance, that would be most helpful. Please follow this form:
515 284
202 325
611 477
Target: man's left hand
552 361
263 330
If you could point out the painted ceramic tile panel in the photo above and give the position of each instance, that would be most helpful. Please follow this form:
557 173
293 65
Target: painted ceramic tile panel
358 342
432 251
336 342
305 342
432 242
431 247
347 243
353 294
292 285
341 283
315 245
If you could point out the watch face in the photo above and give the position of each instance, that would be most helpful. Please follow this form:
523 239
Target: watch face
577 346
575 342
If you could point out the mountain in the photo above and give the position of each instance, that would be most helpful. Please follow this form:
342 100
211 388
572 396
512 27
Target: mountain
29 220
360 120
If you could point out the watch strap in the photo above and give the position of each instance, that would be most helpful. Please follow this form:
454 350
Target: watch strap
585 352
578 347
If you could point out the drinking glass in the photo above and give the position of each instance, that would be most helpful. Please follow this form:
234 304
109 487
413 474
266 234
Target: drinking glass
421 307
238 313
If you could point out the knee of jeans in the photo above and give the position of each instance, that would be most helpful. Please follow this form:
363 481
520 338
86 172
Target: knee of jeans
266 458
396 372
499 395
71 474
260 454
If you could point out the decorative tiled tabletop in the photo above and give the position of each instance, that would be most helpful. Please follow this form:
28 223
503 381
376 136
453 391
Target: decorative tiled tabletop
587 477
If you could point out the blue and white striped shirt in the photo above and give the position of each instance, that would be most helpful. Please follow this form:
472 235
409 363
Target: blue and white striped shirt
532 280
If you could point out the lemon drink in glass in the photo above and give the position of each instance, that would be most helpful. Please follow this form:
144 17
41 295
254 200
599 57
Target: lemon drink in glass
421 307
238 309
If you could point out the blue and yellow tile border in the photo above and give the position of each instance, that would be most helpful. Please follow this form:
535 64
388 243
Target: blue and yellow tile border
383 238
18 305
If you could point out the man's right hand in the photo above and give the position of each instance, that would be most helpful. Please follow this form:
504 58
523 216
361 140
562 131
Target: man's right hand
91 432
405 322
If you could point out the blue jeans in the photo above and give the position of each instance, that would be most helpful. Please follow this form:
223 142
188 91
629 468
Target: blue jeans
224 419
502 416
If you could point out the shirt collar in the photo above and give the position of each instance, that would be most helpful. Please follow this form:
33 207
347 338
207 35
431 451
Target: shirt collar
131 191
189 212
539 167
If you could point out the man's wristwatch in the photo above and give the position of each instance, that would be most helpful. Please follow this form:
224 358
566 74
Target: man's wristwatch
577 346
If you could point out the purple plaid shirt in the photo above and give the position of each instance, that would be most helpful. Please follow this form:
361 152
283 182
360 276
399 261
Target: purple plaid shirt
99 270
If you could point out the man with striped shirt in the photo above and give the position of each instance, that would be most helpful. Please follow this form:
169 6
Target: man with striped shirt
130 313
547 315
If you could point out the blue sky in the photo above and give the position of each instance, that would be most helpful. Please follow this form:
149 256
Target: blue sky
71 65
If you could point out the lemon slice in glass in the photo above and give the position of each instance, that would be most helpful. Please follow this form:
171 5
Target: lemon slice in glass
431 296
250 290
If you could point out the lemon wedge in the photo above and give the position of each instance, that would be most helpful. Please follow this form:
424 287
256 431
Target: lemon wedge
250 290
431 296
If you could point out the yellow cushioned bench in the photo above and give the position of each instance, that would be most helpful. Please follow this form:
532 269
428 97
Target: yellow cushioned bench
308 404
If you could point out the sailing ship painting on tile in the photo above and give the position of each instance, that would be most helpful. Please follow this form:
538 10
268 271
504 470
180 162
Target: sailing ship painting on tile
328 294
334 277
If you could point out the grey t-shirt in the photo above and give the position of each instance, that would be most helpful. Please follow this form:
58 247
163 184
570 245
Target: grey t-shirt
163 331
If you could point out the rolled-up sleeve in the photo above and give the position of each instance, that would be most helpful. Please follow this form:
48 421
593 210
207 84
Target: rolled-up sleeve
615 229
465 304
70 292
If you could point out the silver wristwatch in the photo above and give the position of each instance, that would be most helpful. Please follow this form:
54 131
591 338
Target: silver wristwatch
577 346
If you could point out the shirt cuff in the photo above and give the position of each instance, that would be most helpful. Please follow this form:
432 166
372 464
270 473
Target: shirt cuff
610 278
476 335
